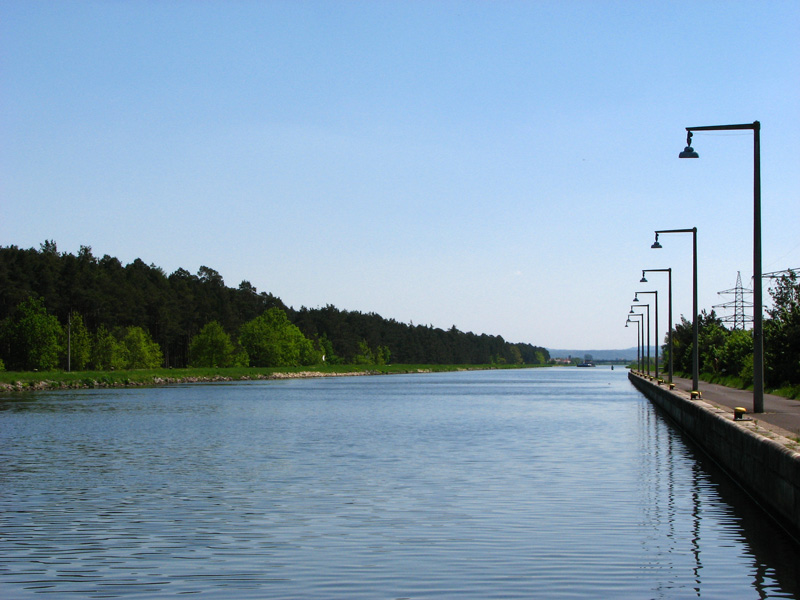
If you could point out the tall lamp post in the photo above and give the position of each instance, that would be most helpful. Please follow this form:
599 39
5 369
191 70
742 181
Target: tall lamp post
636 299
669 312
647 306
758 322
695 323
638 338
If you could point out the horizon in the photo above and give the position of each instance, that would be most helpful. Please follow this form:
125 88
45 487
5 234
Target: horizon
500 167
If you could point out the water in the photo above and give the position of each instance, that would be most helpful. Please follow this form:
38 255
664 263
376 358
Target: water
546 483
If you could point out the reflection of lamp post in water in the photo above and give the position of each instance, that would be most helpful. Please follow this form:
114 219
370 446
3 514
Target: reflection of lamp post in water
695 323
758 323
638 340
636 299
647 306
669 313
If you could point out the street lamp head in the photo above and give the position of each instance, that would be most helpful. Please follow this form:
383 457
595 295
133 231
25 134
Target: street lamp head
688 152
643 280
636 297
631 312
656 244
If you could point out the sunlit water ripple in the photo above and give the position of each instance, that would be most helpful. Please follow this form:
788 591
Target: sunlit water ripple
546 483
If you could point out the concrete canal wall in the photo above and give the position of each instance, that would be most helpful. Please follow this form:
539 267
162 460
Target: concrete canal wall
762 462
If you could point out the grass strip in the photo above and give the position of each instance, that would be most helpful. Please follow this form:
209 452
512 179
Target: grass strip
54 380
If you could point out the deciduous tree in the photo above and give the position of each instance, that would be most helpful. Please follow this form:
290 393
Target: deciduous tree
77 344
31 337
140 351
272 341
212 347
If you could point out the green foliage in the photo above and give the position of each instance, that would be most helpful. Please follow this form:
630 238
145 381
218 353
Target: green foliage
746 372
327 354
174 308
782 333
31 336
736 353
139 350
409 343
711 337
77 342
730 353
365 356
107 352
272 341
126 348
383 355
711 340
212 347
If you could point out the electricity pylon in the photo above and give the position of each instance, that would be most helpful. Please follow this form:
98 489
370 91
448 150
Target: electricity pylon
739 317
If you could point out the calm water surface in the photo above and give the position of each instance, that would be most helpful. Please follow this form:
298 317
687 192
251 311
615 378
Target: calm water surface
546 483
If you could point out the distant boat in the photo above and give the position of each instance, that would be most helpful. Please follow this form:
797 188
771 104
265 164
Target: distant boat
588 363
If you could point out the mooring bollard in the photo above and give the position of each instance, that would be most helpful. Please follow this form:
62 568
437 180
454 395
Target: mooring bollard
672 386
738 413
696 395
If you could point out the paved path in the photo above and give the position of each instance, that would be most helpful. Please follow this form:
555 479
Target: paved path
780 413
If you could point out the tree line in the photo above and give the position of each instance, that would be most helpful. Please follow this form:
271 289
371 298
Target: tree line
59 310
730 352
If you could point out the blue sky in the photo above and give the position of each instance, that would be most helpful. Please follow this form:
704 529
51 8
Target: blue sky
498 166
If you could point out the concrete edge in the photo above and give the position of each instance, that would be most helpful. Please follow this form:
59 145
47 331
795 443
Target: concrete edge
763 462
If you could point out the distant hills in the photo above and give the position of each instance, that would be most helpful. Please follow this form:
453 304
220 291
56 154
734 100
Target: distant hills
626 354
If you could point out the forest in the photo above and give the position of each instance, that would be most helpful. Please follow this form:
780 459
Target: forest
60 310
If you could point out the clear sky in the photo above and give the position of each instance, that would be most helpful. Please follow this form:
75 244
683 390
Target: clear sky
498 166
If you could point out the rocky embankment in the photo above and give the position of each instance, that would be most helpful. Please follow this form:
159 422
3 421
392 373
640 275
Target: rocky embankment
90 383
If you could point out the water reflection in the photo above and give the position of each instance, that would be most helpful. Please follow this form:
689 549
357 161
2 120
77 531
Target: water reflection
719 510
558 483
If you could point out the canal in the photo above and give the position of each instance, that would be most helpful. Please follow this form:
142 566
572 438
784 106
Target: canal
540 483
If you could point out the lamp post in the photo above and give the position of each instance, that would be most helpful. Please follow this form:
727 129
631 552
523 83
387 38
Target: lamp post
638 338
636 299
669 311
638 335
647 306
695 323
758 322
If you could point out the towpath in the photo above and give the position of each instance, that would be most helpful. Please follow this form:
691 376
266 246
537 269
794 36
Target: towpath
779 413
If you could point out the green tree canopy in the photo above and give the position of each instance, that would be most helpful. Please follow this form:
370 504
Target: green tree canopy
31 336
77 344
107 352
212 347
272 341
139 349
782 333
737 354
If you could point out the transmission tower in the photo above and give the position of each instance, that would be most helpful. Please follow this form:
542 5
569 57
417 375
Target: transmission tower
739 316
779 274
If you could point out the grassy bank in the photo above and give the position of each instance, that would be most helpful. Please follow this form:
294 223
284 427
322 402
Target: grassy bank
790 391
53 380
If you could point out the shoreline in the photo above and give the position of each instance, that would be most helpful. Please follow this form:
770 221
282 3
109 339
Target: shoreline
29 382
53 385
